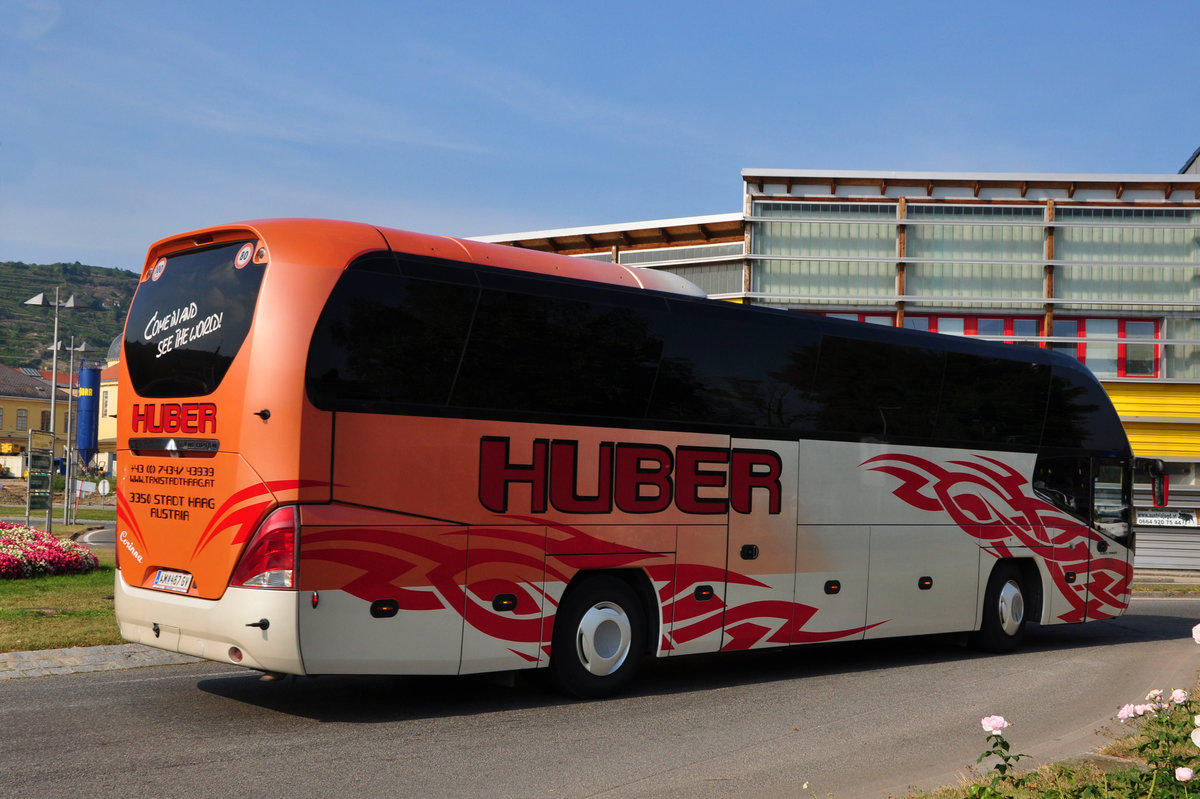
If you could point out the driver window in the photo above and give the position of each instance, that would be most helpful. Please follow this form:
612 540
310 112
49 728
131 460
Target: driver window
1064 483
1112 498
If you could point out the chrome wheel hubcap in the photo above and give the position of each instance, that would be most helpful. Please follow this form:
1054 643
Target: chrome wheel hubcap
1012 608
603 639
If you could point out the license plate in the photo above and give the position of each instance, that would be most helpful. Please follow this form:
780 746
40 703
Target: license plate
173 581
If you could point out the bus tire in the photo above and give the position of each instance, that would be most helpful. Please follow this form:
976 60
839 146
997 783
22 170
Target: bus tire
1003 624
599 637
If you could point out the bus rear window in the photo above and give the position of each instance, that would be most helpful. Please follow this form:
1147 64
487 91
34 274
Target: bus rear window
189 319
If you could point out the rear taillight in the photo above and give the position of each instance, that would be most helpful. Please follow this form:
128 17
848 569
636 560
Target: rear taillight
269 560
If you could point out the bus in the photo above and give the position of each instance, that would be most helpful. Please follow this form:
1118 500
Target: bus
346 449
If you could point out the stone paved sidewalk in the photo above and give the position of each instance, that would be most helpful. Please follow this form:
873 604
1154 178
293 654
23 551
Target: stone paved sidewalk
85 658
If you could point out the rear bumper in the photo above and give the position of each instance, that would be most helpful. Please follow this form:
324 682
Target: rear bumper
215 629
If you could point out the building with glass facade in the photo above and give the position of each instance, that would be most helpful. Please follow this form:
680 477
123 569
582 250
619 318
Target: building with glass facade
1104 267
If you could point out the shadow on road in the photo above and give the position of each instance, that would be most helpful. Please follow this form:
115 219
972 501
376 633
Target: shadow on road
377 699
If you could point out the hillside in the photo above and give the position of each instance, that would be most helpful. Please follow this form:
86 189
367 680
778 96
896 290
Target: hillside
102 298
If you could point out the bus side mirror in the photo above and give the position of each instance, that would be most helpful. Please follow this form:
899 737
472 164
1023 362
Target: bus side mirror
1159 480
1159 485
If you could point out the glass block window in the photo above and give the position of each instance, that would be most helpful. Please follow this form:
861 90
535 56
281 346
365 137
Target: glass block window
1129 253
836 250
712 278
702 252
974 251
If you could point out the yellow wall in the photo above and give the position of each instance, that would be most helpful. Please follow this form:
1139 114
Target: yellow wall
20 438
106 428
1149 412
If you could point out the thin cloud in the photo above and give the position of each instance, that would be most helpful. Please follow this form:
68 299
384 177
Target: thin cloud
204 89
29 20
540 100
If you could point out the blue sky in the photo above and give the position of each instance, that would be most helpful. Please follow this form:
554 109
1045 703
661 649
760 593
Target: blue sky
124 122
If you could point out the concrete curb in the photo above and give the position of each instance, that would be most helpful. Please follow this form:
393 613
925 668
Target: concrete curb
42 663
1169 576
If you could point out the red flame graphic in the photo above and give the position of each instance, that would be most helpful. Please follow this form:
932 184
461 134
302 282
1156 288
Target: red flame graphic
995 504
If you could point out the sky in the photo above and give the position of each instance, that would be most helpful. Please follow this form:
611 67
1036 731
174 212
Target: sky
125 122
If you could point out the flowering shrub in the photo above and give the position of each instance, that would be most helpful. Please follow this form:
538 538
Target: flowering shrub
29 552
1168 741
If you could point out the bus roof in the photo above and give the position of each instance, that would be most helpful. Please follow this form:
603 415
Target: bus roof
357 238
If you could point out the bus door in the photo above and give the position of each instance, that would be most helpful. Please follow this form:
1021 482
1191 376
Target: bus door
761 557
1110 553
1090 560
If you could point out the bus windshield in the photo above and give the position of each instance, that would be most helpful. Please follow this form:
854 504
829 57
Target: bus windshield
189 319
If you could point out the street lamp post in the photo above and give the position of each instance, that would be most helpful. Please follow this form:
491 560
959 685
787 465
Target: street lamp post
41 300
68 460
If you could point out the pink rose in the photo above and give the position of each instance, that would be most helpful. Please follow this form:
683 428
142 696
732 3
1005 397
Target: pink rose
994 725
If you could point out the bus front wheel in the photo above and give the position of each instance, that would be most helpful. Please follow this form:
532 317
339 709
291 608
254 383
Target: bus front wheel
599 636
1003 623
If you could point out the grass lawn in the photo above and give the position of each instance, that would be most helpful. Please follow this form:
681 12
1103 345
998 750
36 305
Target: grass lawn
60 611
38 517
1166 589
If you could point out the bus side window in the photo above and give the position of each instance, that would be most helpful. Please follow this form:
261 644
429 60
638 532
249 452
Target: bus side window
1064 483
1112 497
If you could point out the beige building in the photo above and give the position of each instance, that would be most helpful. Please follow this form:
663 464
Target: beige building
25 406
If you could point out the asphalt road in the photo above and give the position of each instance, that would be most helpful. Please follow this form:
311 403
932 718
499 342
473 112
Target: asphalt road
863 720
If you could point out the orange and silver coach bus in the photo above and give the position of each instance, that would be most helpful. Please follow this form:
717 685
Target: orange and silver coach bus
350 449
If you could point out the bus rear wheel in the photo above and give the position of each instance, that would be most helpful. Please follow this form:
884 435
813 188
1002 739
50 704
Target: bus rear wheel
599 637
1003 625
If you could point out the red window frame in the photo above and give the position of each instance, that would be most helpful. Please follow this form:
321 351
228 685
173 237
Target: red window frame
1122 349
971 328
971 323
1122 346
